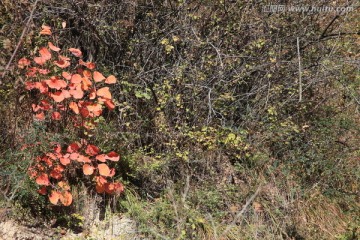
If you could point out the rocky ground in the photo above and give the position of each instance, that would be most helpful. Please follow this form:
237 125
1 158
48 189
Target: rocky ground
112 227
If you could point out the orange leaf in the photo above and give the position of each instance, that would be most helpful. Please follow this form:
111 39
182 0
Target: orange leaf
40 60
43 71
104 170
88 169
95 109
64 185
100 180
104 92
83 159
113 156
98 77
64 160
118 187
66 198
23 62
110 104
101 158
46 30
66 75
43 179
44 52
56 116
40 116
56 83
76 78
92 94
53 47
31 72
36 108
62 63
110 79
76 52
54 197
89 65
77 93
58 96
86 83
74 156
92 150
73 106
42 86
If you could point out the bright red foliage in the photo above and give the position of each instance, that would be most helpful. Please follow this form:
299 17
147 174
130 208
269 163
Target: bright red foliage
77 96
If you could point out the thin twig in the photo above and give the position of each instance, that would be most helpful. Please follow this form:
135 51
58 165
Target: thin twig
20 40
299 58
248 202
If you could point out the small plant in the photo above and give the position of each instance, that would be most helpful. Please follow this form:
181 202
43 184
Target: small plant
69 97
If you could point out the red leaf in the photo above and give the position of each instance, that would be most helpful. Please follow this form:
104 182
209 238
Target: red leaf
57 148
100 188
43 179
55 174
56 116
42 190
36 108
76 52
63 62
88 169
104 170
92 150
113 156
112 172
